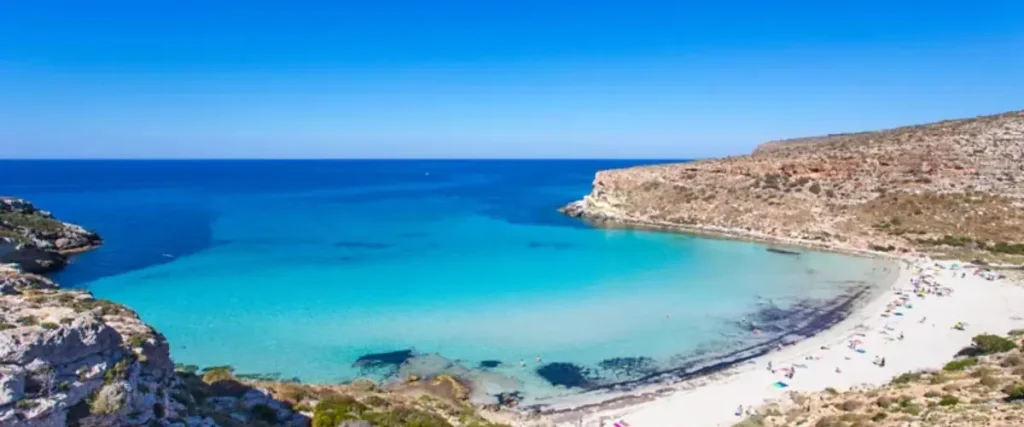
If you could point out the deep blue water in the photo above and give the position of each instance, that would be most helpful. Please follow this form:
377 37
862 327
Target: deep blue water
301 267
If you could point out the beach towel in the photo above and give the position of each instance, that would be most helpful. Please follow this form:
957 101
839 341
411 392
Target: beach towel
861 350
780 384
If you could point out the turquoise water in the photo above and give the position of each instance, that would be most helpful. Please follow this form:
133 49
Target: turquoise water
465 259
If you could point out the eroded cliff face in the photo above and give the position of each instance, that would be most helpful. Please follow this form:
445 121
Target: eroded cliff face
67 358
918 187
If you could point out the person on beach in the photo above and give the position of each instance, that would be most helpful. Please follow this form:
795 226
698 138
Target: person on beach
739 411
882 363
770 366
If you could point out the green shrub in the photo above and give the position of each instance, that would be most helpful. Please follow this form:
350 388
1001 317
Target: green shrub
118 372
49 325
879 416
332 410
214 374
932 394
5 326
949 400
28 321
24 404
1014 392
912 409
135 341
991 344
907 378
959 365
1008 248
405 417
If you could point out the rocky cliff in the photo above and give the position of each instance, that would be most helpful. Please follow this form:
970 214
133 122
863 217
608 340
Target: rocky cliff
955 185
35 240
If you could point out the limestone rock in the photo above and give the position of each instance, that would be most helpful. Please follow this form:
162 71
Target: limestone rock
898 189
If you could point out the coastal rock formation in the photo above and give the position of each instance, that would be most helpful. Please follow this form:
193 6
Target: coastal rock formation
955 184
35 240
67 358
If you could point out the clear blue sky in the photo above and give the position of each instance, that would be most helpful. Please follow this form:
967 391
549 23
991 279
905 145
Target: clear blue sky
478 78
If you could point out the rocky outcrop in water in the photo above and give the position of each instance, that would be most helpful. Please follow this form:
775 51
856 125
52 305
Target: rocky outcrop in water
956 185
35 240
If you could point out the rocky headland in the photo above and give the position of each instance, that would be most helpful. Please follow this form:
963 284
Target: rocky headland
69 359
954 187
36 241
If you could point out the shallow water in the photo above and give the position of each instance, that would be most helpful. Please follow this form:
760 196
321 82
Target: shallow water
302 267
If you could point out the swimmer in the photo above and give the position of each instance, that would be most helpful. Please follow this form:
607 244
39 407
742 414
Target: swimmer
522 363
538 358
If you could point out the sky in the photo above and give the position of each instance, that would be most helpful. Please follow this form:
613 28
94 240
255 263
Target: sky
487 79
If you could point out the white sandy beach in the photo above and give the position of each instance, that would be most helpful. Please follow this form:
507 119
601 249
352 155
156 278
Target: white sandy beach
986 306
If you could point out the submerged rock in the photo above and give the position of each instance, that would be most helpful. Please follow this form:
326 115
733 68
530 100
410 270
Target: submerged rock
628 366
566 375
387 360
490 363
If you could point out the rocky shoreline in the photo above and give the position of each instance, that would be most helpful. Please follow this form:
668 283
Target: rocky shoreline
37 242
951 187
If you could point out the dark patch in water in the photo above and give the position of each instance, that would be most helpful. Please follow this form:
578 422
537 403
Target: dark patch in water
361 245
490 363
509 399
391 359
628 366
806 319
782 251
566 375
549 245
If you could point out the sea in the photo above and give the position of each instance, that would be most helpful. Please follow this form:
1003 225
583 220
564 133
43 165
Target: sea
326 271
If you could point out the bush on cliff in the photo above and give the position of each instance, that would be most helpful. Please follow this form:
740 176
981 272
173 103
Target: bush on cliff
959 365
405 417
992 344
332 410
1015 392
33 222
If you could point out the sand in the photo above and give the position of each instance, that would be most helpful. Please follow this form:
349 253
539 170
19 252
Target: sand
986 306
